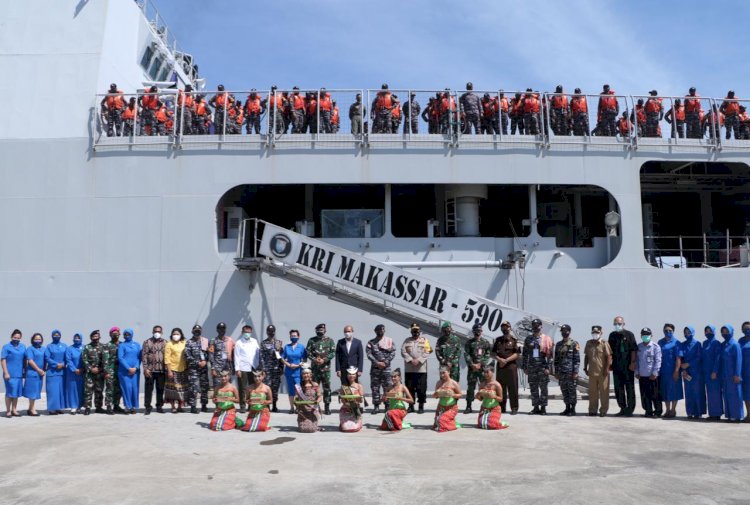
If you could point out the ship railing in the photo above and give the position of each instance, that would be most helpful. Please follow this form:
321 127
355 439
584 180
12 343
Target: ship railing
410 129
653 121
158 25
698 251
734 119
496 124
145 127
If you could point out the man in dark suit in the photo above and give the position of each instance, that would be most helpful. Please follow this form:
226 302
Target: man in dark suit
349 352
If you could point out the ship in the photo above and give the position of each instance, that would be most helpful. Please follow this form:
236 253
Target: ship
167 225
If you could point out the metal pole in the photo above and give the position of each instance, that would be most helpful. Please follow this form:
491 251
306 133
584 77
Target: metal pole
634 123
705 250
680 239
411 112
500 118
224 119
181 115
729 247
136 125
317 111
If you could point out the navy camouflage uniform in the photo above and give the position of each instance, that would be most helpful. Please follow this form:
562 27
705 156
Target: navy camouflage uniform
380 349
476 350
448 353
270 349
112 393
197 376
322 347
410 111
94 356
567 363
535 364
471 107
220 359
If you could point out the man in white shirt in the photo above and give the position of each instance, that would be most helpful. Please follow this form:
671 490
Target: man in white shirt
246 359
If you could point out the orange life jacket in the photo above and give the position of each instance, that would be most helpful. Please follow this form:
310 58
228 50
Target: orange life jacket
624 126
489 108
298 102
201 109
384 101
531 104
312 106
679 112
184 98
253 105
396 112
221 99
640 114
161 115
692 104
115 101
559 102
128 113
150 102
653 105
275 100
335 118
608 102
578 105
502 103
731 108
447 103
325 102
236 115
516 106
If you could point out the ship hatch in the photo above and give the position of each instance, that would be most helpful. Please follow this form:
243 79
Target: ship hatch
696 214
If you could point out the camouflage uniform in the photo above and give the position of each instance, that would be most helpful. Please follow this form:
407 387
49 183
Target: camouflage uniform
380 349
471 106
410 111
197 377
271 364
567 362
535 367
476 350
448 352
220 359
94 356
112 393
322 347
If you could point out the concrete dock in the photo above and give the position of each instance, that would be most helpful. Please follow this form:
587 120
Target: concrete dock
175 459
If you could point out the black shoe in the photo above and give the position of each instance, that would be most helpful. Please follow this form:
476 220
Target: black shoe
193 410
204 408
602 415
99 410
160 410
592 414
132 411
148 411
242 409
52 413
109 411
514 412
119 410
565 412
376 409
421 409
125 412
468 409
327 410
621 413
534 412
86 411
274 409
572 411
543 411
410 409
292 411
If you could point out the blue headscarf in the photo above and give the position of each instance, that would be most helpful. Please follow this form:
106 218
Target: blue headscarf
129 331
691 330
712 328
729 328
80 336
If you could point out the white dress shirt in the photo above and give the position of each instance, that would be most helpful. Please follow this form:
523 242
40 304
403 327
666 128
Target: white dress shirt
246 355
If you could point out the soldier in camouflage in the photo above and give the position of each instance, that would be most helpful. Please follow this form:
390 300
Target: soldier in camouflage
220 355
320 350
270 362
94 357
471 110
566 365
197 369
448 351
380 351
410 110
536 363
112 393
478 354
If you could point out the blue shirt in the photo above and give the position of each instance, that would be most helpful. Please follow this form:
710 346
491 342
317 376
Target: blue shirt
54 354
37 355
14 356
649 359
294 356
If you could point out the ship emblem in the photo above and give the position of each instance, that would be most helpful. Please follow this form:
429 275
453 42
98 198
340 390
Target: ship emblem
281 246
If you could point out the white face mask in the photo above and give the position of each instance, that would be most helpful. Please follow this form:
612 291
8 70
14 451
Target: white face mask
596 336
246 336
618 327
348 335
157 335
176 337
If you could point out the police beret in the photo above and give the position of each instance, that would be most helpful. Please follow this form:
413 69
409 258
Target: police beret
596 328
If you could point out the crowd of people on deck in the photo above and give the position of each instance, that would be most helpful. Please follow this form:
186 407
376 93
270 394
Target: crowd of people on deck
712 376
164 112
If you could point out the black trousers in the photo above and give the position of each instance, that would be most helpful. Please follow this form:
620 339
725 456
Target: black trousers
156 379
508 379
650 397
416 383
625 390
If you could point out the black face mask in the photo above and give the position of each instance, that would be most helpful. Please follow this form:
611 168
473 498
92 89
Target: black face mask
415 334
320 333
565 334
196 333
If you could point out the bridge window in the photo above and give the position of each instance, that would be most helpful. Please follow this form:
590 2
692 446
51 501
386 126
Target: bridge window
574 215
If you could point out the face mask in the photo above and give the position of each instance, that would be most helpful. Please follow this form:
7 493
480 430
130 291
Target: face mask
128 338
415 334
688 336
176 337
746 332
294 339
596 336
15 342
618 327
348 335
37 343
709 335
646 339
725 336
566 334
246 336
77 343
320 333
477 333
669 334
56 338
157 335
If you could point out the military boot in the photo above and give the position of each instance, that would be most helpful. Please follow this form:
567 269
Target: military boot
327 410
566 411
572 411
274 409
109 411
376 408
468 409
543 411
86 411
535 411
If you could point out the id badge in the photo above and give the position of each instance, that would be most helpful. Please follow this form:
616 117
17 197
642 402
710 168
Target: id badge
535 353
278 356
223 355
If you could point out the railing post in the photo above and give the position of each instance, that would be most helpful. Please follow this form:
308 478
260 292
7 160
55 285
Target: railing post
136 119
680 241
633 123
224 119
546 105
705 250
729 247
317 112
180 115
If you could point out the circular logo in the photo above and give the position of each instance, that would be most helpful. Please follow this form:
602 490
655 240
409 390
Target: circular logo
280 245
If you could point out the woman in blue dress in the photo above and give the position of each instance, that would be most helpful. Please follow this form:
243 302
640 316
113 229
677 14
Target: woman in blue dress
128 371
670 384
730 374
711 356
292 356
692 375
74 375
745 348
35 365
13 357
54 355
